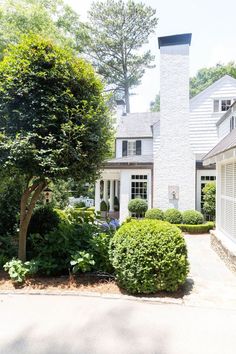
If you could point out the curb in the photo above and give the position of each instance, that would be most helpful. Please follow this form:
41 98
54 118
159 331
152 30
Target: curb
96 295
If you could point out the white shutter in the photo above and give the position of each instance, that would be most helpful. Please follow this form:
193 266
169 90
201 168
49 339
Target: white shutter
228 199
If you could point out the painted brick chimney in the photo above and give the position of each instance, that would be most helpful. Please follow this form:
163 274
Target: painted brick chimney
174 162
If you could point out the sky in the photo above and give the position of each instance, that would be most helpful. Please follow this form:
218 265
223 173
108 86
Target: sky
213 27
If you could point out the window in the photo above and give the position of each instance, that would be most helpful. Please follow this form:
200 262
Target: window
139 186
131 147
222 105
204 181
225 105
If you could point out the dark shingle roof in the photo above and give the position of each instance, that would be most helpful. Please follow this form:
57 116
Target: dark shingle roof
225 144
137 125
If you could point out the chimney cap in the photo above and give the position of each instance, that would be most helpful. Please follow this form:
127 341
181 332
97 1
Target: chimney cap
120 102
176 39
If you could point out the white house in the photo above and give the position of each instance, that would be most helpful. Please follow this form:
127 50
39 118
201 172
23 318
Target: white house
224 156
158 156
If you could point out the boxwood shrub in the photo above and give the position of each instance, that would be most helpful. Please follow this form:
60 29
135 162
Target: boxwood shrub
173 216
154 213
192 217
197 229
138 207
149 256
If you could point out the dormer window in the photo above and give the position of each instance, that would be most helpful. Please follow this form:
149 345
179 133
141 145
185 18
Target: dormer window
222 105
131 147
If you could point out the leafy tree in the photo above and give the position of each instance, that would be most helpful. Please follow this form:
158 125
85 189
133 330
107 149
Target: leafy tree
209 198
204 78
207 76
155 105
50 18
54 121
117 31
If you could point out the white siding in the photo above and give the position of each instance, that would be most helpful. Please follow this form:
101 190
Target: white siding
203 130
147 146
224 128
156 138
125 190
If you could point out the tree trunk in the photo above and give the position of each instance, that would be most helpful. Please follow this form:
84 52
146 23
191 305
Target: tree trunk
127 102
28 201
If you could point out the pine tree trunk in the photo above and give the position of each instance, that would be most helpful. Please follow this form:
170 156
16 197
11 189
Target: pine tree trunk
127 102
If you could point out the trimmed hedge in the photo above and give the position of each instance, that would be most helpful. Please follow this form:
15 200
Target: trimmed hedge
196 229
174 216
192 217
149 256
154 213
138 206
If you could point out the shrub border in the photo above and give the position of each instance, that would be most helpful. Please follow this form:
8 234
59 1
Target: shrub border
196 229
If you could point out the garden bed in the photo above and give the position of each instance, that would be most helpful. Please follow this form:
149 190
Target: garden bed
84 283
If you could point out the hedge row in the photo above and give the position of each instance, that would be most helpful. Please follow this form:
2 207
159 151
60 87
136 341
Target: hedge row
196 229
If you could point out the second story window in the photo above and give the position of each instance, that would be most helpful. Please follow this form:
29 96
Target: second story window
131 147
222 105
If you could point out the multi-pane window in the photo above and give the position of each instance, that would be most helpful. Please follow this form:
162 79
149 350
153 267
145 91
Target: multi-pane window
139 186
131 148
225 105
222 105
204 181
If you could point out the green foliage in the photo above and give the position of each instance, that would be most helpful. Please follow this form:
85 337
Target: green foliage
117 31
53 113
192 217
19 270
209 198
155 105
53 250
82 262
137 206
149 256
196 229
10 195
207 76
173 216
54 119
99 247
44 220
80 205
8 249
155 213
51 18
103 206
79 215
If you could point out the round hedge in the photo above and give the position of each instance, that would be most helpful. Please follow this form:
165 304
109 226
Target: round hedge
173 216
44 220
137 206
192 217
154 213
149 256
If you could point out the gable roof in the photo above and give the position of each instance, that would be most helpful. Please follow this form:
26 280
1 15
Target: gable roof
215 84
137 125
227 143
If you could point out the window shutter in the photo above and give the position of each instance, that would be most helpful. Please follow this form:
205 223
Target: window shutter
216 105
124 147
138 147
